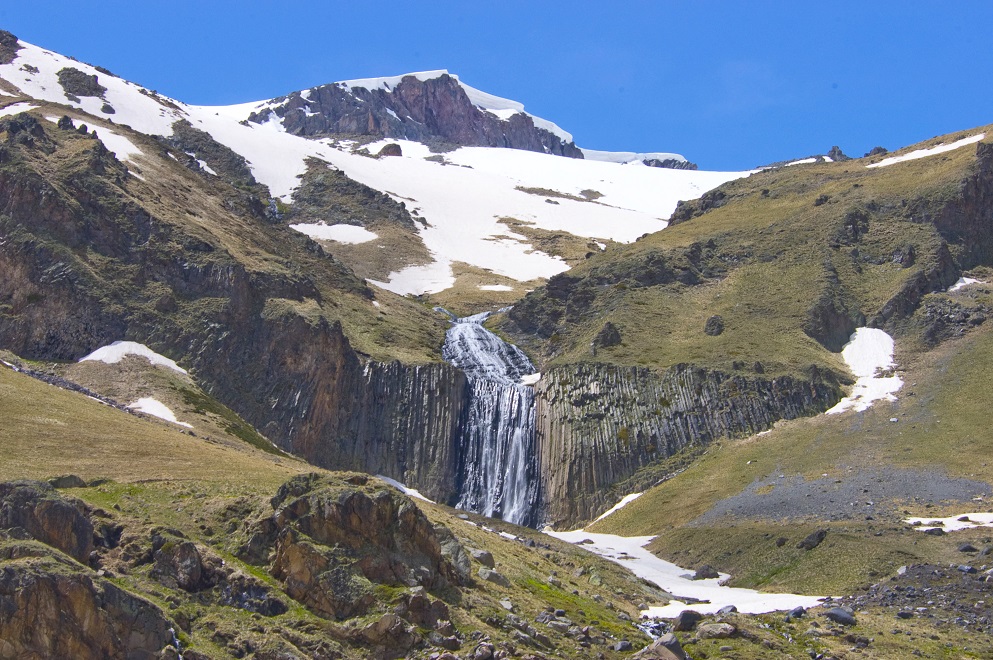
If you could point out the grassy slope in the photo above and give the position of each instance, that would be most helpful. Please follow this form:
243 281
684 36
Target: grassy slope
773 240
162 477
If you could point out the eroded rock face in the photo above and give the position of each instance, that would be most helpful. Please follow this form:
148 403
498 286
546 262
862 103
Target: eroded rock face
334 539
54 610
37 508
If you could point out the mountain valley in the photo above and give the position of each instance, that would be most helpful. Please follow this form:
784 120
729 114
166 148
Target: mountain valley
305 377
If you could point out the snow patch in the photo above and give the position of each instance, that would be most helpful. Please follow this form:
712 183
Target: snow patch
628 156
495 287
869 351
17 108
952 523
924 153
350 234
631 553
156 408
530 379
627 499
121 147
115 352
410 492
962 283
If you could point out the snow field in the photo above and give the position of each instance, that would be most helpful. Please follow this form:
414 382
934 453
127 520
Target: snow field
631 553
350 234
869 351
953 523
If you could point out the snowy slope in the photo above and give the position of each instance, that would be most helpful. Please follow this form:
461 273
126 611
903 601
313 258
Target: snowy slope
460 201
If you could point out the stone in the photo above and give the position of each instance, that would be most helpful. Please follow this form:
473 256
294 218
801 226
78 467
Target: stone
781 541
965 568
484 557
47 516
706 572
935 531
967 547
623 645
727 609
904 614
715 630
813 540
67 481
797 612
507 605
714 326
391 149
843 615
837 155
490 575
666 647
608 336
686 621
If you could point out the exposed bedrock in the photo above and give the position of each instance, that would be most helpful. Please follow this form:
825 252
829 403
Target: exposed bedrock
599 424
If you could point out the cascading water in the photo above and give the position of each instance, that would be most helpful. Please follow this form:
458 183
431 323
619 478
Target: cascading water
497 458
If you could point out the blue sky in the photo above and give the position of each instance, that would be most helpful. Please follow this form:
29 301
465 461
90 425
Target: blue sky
728 84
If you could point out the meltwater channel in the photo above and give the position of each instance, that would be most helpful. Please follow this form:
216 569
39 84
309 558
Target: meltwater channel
497 456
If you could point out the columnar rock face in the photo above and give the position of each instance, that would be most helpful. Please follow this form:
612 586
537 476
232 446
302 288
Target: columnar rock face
437 109
598 424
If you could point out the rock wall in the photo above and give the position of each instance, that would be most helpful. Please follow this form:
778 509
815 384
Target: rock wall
598 424
435 110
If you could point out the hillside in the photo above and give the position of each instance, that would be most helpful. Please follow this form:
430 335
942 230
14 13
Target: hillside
263 367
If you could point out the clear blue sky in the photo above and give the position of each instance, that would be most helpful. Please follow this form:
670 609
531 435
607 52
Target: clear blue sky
728 84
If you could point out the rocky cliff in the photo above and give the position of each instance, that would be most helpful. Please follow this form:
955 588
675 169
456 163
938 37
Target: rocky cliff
436 110
599 424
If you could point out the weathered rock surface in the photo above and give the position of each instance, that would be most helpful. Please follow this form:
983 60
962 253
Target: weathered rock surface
45 515
598 424
333 540
435 110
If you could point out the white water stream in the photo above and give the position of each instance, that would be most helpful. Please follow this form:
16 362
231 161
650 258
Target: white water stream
498 470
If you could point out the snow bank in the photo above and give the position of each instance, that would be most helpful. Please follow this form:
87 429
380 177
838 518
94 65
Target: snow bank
16 108
962 283
924 153
869 351
350 234
156 408
953 523
495 287
123 148
410 492
630 553
628 156
115 352
627 499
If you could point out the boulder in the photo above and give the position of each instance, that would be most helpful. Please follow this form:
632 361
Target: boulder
706 572
715 630
391 149
714 326
666 647
686 621
813 540
484 557
490 575
843 615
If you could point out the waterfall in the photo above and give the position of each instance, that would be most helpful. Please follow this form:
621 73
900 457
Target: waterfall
497 458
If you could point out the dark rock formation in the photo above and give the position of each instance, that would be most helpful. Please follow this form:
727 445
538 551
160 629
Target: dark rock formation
830 319
608 336
392 149
75 83
426 111
837 155
876 151
598 424
670 163
813 540
714 326
8 47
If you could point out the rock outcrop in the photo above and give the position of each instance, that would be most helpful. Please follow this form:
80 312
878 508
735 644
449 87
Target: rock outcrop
332 540
598 424
46 516
436 110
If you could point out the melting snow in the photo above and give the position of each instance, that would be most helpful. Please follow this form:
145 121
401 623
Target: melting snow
627 499
350 234
630 553
924 153
628 156
410 492
16 108
156 408
953 523
115 352
122 147
962 282
495 287
869 351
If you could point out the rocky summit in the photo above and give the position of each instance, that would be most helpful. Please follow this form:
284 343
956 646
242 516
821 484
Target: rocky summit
304 378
